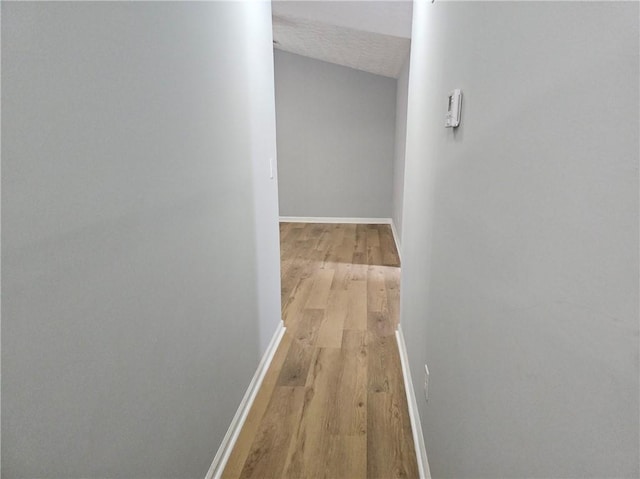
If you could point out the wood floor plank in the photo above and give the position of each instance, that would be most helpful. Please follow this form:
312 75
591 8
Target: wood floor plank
374 256
358 271
388 248
347 457
250 427
330 333
390 453
269 449
289 232
307 329
320 291
350 417
324 242
312 231
384 370
356 340
361 239
342 275
295 367
309 449
373 235
392 286
288 236
356 317
377 289
293 271
294 304
347 248
338 232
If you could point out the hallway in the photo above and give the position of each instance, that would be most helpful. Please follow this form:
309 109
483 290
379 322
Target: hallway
332 403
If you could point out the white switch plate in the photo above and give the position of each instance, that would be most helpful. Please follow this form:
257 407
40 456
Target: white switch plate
426 383
271 168
454 99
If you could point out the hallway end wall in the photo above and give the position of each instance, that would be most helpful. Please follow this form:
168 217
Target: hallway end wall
335 136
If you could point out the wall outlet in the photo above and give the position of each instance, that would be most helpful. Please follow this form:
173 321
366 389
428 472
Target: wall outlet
426 383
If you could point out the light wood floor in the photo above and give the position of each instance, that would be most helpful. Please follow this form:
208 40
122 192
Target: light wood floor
332 404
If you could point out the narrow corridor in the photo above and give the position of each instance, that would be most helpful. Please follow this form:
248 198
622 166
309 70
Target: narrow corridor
333 402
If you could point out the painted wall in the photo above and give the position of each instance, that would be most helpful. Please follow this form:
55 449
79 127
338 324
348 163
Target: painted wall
520 245
400 149
259 63
335 139
131 277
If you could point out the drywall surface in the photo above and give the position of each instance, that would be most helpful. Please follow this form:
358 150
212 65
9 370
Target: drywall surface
265 178
400 147
130 279
520 238
335 136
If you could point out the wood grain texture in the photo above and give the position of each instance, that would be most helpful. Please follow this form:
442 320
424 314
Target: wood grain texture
337 308
388 459
295 368
269 449
332 404
239 454
309 451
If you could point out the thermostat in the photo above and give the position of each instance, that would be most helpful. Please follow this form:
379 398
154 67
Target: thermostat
452 119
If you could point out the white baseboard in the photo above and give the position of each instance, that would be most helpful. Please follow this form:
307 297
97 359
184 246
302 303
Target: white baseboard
327 219
395 238
224 451
414 416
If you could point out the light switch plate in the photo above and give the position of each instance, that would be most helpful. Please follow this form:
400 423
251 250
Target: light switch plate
426 383
454 105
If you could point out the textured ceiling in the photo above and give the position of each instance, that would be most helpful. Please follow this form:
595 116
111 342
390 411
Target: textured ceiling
346 33
389 17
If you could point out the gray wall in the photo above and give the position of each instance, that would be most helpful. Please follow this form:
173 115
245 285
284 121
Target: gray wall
335 139
400 150
131 278
520 245
259 61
